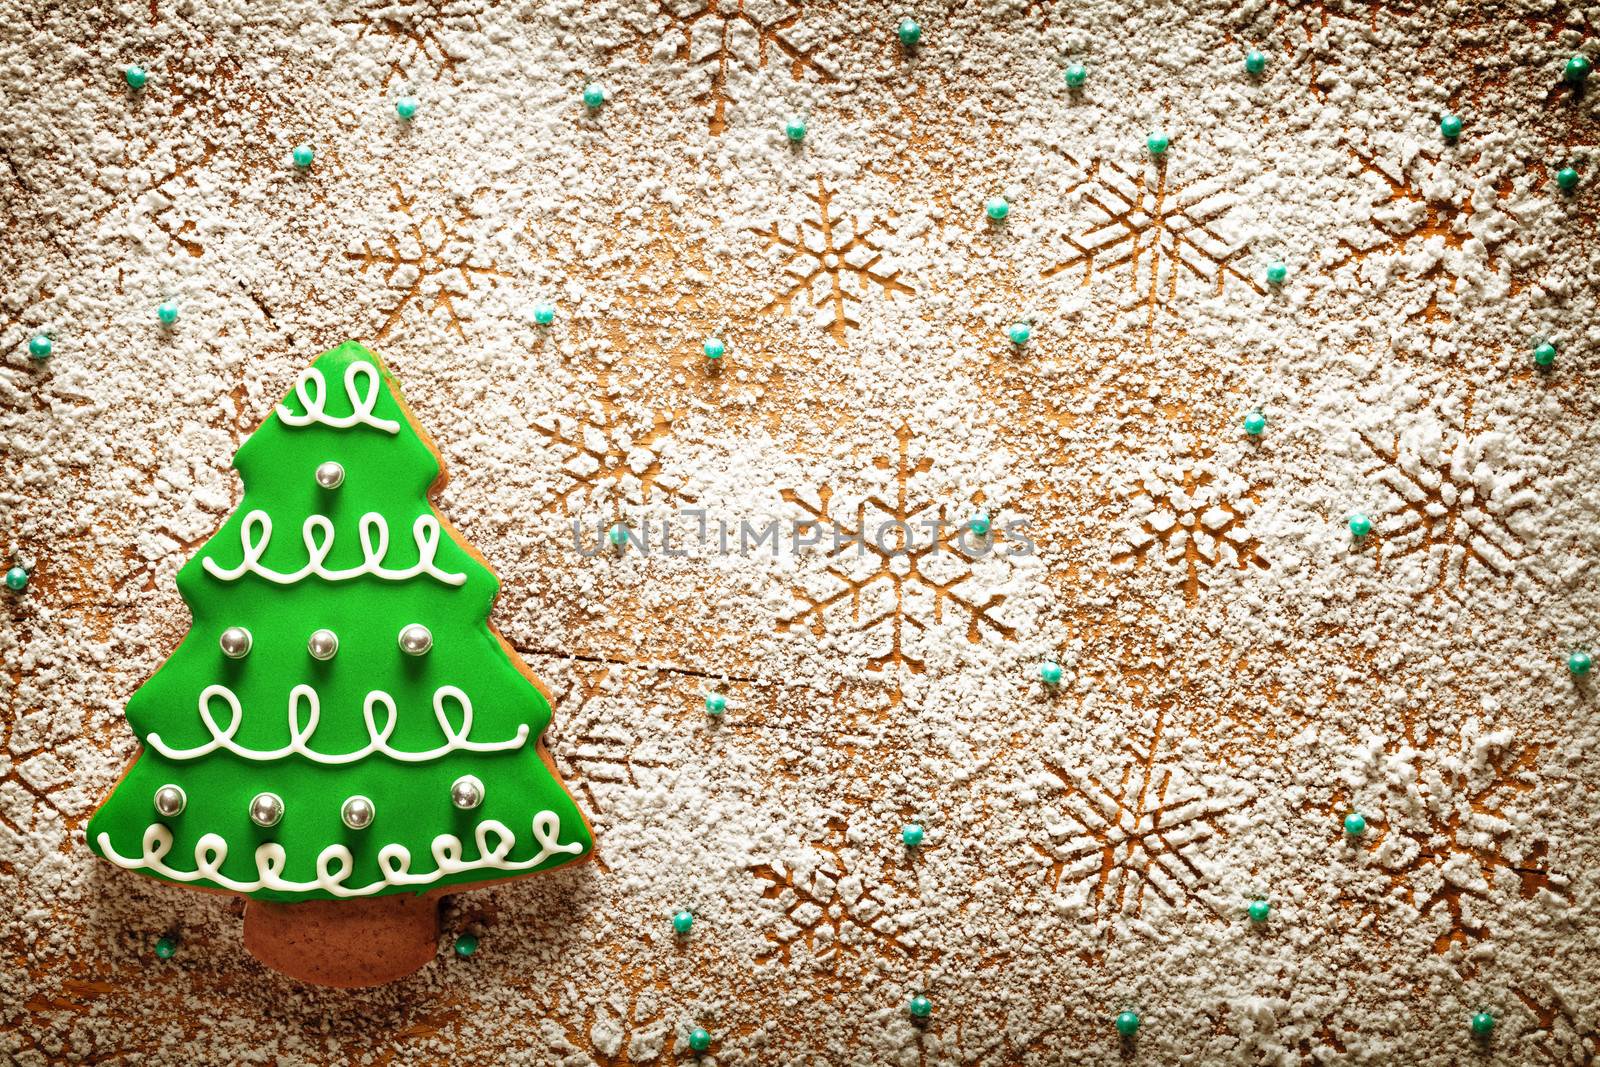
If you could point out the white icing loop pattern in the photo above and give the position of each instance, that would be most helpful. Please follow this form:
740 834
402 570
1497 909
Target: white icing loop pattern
255 533
335 862
312 389
302 727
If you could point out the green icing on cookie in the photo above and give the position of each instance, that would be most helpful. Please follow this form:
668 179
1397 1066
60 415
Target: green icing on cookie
364 559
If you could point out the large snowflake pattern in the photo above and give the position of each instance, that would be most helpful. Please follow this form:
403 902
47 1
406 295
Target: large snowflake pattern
415 35
832 260
1158 232
893 587
428 263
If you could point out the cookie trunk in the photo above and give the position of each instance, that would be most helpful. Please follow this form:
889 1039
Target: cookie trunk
345 943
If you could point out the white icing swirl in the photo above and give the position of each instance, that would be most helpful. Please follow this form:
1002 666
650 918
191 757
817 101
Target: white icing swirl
255 533
300 731
312 389
335 862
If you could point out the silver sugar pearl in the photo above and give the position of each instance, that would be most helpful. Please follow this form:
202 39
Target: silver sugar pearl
235 642
330 475
415 640
170 801
466 792
323 644
266 809
357 813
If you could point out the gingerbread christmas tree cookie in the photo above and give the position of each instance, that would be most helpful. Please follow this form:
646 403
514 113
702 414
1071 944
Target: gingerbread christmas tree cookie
341 736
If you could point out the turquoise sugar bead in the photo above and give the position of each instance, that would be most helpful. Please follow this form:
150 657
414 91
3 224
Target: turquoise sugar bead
1259 910
1255 62
1577 69
921 1007
1077 74
1277 273
795 130
1019 333
406 107
40 346
594 97
1158 143
166 948
466 945
1567 178
167 313
1360 525
16 579
1128 1023
714 348
1482 1024
682 922
909 33
980 524
699 1039
1544 354
997 209
1578 663
1050 673
1254 423
912 835
1450 127
303 156
135 76
544 314
618 535
716 704
1355 824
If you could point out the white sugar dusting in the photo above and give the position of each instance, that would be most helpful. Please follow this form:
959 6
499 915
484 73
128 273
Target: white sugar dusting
1238 672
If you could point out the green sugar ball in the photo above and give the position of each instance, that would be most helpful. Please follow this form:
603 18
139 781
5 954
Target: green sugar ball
795 130
1544 354
909 32
1577 69
1360 525
303 156
714 348
1077 74
1254 423
699 1039
1128 1023
466 945
1255 62
544 314
594 96
980 524
135 76
911 836
682 921
618 535
1450 127
1567 179
1019 333
166 948
1578 663
1259 910
1354 824
40 347
1050 673
921 1007
406 107
16 579
1277 273
167 312
716 704
1482 1024
996 208
1158 143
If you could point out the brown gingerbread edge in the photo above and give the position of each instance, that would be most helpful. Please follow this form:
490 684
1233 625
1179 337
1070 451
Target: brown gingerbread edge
370 941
